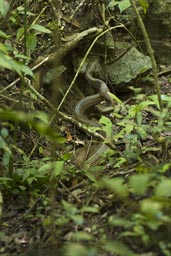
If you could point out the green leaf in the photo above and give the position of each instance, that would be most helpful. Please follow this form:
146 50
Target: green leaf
21 10
2 143
125 4
141 132
81 236
22 68
151 208
4 132
6 157
31 42
112 4
40 28
58 167
20 33
3 48
107 125
139 183
139 118
4 35
133 111
41 116
116 185
129 127
71 209
7 62
120 162
154 98
77 218
164 188
145 104
144 4
115 98
116 221
90 209
4 7
21 56
76 249
118 248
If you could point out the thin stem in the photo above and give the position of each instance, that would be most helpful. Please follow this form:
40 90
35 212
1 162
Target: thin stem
150 52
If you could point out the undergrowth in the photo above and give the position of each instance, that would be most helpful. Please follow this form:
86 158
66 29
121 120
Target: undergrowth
120 207
132 191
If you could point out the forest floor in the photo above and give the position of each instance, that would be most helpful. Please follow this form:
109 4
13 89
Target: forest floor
48 205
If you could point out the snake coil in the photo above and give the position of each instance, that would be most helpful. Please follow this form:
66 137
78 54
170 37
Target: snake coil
83 105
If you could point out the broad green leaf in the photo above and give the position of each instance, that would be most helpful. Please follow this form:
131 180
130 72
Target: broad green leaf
3 48
117 221
146 103
7 62
40 28
116 185
4 133
139 183
118 248
71 209
153 213
151 208
58 167
76 249
141 132
20 33
2 143
123 5
166 98
154 98
77 218
132 111
139 118
90 175
107 125
31 42
4 7
45 167
21 68
4 35
81 236
6 157
163 189
41 116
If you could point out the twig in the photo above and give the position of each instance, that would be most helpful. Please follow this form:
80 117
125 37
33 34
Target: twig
150 52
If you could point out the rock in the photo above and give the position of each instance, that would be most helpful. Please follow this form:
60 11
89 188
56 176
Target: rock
132 64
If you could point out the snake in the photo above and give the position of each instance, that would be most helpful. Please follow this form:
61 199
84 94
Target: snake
94 156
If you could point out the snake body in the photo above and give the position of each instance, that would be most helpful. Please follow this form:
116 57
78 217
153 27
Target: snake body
94 156
85 104
98 84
